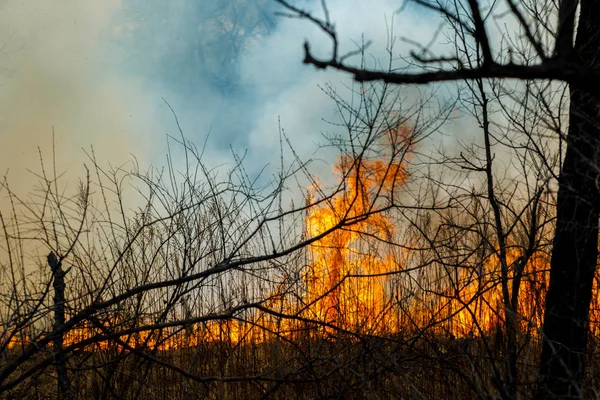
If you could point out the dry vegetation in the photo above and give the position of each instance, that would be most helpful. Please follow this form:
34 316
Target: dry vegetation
418 271
202 284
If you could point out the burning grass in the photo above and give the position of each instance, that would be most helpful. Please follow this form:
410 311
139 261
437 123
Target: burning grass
413 365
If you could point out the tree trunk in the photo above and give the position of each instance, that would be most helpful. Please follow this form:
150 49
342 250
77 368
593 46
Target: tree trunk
575 247
59 319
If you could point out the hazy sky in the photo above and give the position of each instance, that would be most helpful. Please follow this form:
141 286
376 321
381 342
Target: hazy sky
96 73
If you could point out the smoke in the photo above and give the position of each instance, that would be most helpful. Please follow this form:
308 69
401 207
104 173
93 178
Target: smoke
59 74
95 74
292 92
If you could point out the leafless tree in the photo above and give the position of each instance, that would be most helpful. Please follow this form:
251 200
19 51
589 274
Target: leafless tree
564 40
173 271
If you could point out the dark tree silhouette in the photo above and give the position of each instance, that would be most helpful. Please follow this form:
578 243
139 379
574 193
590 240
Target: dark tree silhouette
575 250
574 256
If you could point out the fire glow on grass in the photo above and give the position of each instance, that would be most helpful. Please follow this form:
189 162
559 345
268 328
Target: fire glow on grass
351 280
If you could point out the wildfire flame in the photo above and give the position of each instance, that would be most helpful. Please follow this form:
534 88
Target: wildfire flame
346 280
350 280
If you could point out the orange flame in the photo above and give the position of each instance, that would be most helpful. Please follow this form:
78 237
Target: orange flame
346 281
349 281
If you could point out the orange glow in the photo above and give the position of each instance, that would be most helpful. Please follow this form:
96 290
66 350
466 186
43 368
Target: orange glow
352 280
478 307
345 282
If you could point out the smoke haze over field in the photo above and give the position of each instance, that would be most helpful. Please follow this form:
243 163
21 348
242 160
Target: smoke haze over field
57 74
97 72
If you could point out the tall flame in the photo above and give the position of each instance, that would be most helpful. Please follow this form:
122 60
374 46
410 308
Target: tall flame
351 282
347 279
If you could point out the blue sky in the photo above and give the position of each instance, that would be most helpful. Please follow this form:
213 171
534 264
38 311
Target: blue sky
97 73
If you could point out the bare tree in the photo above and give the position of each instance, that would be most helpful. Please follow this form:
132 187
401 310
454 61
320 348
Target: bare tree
558 56
177 270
